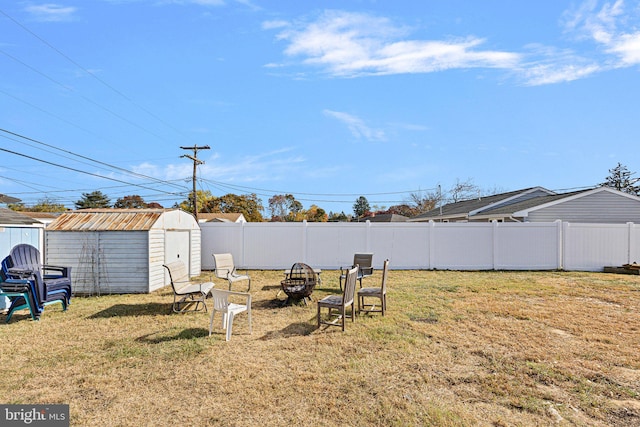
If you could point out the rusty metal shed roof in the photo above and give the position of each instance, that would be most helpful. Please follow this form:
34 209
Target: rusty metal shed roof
107 220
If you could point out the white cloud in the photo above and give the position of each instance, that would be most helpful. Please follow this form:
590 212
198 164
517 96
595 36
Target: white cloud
50 12
356 126
351 44
550 65
208 2
543 74
609 26
345 44
272 25
627 47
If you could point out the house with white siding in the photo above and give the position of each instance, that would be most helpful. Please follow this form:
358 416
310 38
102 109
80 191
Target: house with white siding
122 250
598 205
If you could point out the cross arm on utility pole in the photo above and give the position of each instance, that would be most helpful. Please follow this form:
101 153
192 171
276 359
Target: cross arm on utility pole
196 162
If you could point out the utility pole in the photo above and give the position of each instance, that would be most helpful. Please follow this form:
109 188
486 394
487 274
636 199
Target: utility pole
196 162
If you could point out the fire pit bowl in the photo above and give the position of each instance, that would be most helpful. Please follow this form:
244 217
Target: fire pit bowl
299 282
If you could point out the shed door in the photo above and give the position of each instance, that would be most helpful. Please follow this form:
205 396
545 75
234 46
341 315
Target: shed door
177 247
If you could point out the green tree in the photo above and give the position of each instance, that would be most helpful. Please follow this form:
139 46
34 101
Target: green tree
622 179
95 199
204 199
361 207
248 205
18 207
338 217
130 202
316 214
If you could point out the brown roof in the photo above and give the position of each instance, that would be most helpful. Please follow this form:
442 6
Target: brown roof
233 217
107 220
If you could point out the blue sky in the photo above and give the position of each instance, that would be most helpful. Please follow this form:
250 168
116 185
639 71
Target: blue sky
324 100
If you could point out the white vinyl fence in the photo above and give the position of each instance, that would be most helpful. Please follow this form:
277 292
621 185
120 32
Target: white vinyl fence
442 246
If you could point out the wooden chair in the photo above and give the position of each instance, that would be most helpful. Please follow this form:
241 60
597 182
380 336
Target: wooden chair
378 293
228 309
226 269
185 292
339 303
364 261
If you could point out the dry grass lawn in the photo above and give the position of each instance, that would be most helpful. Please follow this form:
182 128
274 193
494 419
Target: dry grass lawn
455 349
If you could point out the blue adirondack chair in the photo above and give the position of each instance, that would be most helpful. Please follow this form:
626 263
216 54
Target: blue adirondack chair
21 293
56 278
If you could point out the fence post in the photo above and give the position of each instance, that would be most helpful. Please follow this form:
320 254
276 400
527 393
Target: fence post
431 244
242 237
629 241
562 235
305 230
494 243
368 238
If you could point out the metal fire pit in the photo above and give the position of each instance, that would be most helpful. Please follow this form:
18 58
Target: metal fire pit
299 282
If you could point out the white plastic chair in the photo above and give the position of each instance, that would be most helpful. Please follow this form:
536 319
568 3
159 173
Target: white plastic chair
228 309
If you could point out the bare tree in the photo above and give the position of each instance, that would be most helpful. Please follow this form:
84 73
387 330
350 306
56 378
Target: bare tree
464 190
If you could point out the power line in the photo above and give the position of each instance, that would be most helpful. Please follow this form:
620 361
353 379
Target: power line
78 170
253 189
139 175
93 75
89 100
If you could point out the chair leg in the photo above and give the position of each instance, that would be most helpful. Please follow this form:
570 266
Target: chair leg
229 325
318 315
213 313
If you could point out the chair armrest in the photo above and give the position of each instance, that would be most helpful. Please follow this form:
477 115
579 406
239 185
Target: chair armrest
241 294
366 271
20 272
65 271
15 285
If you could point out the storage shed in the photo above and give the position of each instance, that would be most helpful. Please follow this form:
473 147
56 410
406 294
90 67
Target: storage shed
16 228
122 250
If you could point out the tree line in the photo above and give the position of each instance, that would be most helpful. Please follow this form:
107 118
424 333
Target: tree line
285 208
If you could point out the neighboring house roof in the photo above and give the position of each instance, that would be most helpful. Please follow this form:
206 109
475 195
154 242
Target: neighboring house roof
464 209
524 205
221 217
43 216
385 218
9 217
8 199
